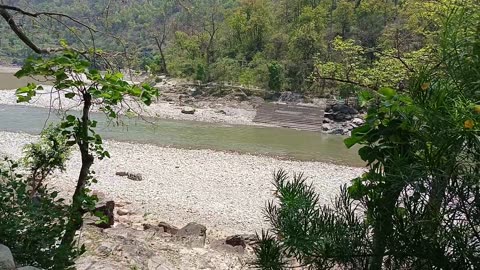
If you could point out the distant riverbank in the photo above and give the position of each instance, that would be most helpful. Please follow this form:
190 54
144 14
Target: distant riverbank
225 191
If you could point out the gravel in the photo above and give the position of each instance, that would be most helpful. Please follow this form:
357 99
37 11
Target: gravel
224 191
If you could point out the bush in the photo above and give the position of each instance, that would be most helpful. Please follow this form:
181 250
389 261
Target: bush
33 217
45 156
275 76
417 206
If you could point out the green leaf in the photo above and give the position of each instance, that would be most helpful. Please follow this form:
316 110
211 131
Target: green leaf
70 95
387 92
71 118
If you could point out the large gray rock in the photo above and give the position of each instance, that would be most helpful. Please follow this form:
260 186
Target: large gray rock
358 121
28 268
327 127
241 240
193 234
6 258
168 228
345 109
291 97
188 110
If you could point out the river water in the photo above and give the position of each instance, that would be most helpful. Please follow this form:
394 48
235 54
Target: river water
279 142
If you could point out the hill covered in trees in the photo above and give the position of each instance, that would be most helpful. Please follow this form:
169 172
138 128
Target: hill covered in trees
296 45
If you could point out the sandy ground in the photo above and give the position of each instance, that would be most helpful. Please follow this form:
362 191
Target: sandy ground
224 191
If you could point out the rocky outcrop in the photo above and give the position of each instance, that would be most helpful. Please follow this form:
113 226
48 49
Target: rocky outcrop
152 247
341 118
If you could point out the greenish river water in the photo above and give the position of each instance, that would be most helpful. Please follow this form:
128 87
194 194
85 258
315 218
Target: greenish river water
8 81
279 142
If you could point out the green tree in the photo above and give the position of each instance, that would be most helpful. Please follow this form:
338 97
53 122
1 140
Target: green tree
417 205
74 78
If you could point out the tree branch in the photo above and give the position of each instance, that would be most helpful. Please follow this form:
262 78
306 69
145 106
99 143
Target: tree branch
23 37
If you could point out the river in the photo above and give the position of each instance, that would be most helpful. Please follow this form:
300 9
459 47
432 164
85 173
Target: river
278 142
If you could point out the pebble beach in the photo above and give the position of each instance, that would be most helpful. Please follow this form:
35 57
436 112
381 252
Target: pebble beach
224 191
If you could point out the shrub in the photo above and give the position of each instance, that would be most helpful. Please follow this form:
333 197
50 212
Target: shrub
32 216
417 206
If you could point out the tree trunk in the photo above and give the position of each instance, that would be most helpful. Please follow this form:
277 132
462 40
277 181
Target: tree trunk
163 62
383 226
75 219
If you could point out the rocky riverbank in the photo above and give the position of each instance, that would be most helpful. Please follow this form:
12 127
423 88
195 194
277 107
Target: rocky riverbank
224 191
206 103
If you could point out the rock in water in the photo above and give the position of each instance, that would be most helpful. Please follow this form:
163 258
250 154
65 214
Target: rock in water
188 110
193 234
6 258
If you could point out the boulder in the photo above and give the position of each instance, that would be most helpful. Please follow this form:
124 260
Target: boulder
221 112
326 127
241 240
235 240
192 234
339 116
343 108
168 228
291 97
28 268
358 121
131 176
108 211
188 110
122 212
6 258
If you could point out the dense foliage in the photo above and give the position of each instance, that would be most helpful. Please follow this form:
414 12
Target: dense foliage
278 44
417 206
32 216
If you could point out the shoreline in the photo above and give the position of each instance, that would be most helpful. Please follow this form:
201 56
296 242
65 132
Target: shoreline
160 109
225 191
233 152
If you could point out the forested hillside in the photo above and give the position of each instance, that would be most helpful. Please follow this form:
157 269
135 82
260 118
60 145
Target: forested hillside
293 45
